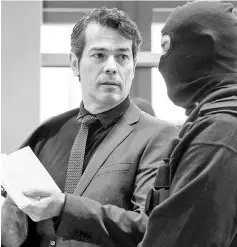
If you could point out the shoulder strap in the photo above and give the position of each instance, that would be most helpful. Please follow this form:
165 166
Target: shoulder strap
162 182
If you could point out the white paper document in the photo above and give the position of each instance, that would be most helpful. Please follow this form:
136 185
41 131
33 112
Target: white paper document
21 170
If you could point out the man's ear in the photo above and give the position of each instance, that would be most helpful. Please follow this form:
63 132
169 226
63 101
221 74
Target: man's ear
74 64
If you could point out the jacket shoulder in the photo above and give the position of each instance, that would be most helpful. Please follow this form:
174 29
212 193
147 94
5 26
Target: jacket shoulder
157 126
60 119
151 120
224 105
49 127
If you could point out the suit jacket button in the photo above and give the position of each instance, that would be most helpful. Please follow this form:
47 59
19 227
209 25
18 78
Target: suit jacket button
52 243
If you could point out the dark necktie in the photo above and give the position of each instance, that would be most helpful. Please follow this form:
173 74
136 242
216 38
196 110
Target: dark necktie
76 158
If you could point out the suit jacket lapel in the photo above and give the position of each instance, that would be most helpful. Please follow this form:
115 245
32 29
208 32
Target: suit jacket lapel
117 135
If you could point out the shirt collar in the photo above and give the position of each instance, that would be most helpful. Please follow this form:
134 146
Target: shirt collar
108 117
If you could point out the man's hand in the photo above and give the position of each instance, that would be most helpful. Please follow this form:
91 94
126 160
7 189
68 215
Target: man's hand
49 204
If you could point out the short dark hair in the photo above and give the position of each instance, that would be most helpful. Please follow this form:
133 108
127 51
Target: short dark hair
112 18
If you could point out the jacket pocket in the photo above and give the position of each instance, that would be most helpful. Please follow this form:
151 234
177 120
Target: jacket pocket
115 168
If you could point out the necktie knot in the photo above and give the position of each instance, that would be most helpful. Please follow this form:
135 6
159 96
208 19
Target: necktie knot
88 119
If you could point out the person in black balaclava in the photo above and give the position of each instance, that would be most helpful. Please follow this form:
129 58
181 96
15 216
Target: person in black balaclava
194 199
202 56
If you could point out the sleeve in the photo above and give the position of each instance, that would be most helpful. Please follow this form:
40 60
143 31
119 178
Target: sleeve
201 209
17 229
86 220
14 224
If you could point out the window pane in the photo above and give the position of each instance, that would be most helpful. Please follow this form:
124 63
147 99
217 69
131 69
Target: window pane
55 38
59 91
163 106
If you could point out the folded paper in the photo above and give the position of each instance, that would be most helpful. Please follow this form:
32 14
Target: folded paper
22 170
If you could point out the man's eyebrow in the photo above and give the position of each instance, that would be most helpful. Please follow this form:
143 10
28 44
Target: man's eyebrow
99 49
123 49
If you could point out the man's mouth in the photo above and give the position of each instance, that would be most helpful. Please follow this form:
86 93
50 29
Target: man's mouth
110 83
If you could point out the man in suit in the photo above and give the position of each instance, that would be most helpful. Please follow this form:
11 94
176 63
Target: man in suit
199 65
123 149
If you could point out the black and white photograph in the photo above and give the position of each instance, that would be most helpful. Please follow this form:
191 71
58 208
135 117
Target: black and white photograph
118 123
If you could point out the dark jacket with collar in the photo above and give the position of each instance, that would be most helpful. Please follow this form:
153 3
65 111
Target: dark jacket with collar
194 199
107 207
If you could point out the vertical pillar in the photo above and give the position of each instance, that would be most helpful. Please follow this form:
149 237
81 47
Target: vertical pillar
20 75
141 13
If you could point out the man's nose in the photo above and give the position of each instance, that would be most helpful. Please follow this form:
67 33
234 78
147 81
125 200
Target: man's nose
111 66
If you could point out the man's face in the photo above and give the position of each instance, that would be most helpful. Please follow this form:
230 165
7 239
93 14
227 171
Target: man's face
106 67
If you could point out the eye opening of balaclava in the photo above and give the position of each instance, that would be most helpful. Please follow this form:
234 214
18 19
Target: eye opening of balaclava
203 51
167 38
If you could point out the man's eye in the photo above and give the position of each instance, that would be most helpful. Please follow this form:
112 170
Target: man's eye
98 55
123 56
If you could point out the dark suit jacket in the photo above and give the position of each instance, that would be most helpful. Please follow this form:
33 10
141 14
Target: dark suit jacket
107 207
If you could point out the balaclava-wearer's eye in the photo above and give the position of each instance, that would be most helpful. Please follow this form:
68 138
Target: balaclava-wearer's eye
203 51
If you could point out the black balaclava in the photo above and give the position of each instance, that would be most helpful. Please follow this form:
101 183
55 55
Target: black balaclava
203 53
